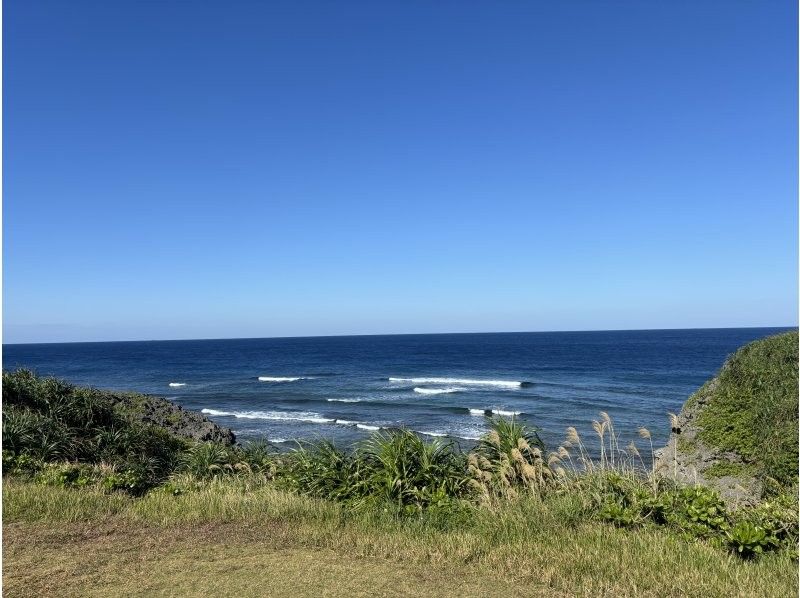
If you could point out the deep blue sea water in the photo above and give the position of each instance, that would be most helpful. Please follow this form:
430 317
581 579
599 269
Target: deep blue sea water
442 384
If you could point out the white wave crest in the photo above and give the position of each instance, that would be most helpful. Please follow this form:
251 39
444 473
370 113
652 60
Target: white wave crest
176 384
438 391
462 434
367 427
433 433
301 416
282 378
344 400
462 381
493 412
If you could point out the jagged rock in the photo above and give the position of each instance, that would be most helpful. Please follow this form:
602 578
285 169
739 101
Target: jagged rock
174 418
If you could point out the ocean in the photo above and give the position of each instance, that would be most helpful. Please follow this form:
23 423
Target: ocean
440 385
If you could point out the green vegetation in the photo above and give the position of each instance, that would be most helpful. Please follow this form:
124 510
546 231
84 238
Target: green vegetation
46 420
752 410
727 468
556 521
74 541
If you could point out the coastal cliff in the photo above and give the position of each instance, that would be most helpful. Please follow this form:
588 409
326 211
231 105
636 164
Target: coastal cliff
738 432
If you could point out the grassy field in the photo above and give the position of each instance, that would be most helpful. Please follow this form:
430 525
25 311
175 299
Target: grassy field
234 537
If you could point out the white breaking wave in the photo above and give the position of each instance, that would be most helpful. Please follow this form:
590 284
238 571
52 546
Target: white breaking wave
464 435
174 384
437 391
462 381
281 378
507 413
367 427
344 400
301 416
493 412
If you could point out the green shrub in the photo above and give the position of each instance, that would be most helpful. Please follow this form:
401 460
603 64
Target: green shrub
400 467
47 420
259 457
321 470
752 411
22 464
208 459
749 539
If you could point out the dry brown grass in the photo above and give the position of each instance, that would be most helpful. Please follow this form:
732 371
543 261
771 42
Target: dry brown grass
112 559
230 540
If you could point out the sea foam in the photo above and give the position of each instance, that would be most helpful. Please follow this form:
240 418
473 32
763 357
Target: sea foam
437 391
462 434
282 378
176 384
493 412
462 381
301 416
506 413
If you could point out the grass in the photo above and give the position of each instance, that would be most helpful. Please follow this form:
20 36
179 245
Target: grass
243 535
752 411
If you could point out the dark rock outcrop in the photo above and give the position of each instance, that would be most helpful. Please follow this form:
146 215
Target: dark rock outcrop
174 418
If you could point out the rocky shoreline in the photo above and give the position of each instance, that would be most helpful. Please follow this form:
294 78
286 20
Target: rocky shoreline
184 423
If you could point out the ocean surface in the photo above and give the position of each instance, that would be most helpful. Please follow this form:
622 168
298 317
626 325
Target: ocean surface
441 385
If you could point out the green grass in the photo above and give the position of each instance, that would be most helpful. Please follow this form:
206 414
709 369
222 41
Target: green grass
753 409
62 541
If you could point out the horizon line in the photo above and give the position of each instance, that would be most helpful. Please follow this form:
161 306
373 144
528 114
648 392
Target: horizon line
243 338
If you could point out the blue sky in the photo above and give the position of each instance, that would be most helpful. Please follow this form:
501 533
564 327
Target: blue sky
229 169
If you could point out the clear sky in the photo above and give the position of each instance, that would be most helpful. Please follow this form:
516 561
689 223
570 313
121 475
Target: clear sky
234 168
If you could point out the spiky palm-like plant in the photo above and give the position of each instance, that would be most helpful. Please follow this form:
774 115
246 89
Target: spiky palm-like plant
207 459
401 467
320 469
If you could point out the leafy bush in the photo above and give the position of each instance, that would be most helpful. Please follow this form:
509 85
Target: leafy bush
21 464
258 456
47 420
209 459
321 469
398 466
752 411
749 539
